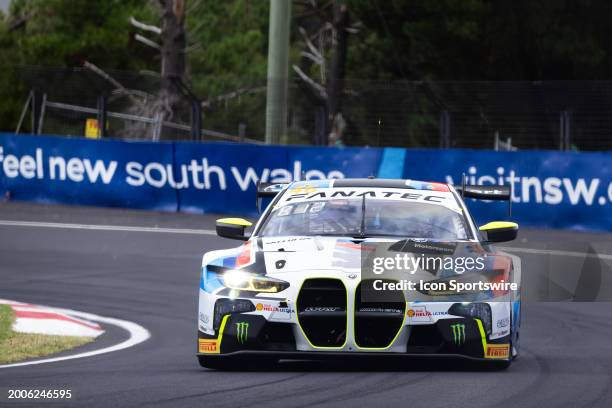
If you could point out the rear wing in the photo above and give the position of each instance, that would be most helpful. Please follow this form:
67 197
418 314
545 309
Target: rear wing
269 190
490 192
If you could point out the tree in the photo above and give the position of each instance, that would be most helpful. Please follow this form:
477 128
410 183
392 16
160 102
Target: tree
327 25
172 50
64 33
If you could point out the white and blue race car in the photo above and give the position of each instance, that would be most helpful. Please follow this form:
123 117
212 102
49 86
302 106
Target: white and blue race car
305 283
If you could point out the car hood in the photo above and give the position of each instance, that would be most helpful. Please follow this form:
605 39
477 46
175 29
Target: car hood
300 253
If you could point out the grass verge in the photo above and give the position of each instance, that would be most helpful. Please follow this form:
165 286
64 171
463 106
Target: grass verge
21 346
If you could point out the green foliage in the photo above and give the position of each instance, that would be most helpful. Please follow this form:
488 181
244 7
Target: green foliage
66 33
231 42
20 346
481 39
6 321
397 40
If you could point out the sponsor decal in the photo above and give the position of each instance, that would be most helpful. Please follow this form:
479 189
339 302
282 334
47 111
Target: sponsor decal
323 309
242 332
458 333
397 194
269 308
497 351
204 318
286 240
208 346
503 323
421 314
304 189
380 310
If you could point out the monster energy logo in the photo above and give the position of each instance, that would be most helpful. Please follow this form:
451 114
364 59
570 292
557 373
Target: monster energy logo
458 333
242 332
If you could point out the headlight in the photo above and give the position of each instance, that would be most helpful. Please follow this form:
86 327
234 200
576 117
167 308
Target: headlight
242 280
481 311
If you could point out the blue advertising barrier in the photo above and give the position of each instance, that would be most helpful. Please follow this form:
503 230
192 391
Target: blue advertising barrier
551 189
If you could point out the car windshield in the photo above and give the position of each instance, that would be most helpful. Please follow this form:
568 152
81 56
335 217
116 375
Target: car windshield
381 218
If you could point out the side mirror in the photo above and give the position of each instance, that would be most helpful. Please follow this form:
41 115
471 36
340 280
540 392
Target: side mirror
232 228
500 231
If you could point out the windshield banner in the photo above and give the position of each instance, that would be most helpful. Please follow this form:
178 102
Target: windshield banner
550 189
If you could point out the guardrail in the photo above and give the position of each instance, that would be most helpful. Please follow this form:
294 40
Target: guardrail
550 189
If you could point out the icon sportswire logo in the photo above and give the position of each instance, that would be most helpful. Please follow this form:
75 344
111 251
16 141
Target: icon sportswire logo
242 332
458 333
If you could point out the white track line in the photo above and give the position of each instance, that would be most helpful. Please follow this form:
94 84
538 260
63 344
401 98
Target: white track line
97 227
138 334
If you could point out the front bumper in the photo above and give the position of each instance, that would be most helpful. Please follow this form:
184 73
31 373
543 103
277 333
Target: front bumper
335 355
242 334
296 326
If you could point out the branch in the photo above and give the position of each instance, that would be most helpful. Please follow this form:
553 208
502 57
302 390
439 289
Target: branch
309 44
311 57
146 41
103 74
317 87
207 103
119 87
144 26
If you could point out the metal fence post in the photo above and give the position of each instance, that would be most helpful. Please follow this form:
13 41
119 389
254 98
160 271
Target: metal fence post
568 130
444 129
34 111
241 131
561 130
564 131
41 114
102 116
196 120
27 105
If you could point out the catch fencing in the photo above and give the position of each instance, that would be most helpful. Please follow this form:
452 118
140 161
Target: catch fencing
500 115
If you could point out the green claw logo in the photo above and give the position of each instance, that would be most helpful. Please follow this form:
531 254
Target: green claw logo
458 333
242 332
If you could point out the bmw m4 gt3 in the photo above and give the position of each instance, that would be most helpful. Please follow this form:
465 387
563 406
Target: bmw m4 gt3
361 267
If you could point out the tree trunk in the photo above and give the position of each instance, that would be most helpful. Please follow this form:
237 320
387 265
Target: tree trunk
172 54
335 83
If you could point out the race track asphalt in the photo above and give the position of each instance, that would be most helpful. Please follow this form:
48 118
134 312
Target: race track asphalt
151 278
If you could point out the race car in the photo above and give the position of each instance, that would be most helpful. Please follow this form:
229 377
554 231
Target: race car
322 274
